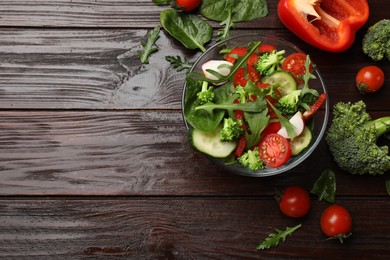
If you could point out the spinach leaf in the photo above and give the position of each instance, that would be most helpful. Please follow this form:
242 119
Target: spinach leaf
190 30
199 118
243 10
325 187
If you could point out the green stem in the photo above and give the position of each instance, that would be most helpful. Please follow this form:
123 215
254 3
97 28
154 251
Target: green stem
382 125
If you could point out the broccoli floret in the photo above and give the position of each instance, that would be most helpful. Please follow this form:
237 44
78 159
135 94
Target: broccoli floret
352 138
288 104
306 101
376 42
206 94
231 130
252 160
270 62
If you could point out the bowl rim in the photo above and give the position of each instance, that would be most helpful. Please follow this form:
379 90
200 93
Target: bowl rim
299 159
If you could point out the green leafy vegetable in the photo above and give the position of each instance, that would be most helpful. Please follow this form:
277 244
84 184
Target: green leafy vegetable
284 122
388 186
257 123
230 11
162 2
149 45
243 10
239 63
273 239
325 187
178 63
187 28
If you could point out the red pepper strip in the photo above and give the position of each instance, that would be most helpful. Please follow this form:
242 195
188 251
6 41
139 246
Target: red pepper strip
313 108
241 145
329 25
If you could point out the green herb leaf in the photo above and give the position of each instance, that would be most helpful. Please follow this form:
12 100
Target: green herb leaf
284 122
306 77
187 28
162 2
224 32
178 63
148 46
388 186
273 239
243 10
325 187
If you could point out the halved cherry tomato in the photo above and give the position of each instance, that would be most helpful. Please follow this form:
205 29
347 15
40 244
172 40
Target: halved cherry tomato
274 150
253 74
266 48
369 79
240 146
295 64
238 51
188 5
313 108
239 78
252 60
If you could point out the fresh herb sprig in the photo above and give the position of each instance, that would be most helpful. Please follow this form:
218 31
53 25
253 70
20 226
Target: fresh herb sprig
178 63
227 24
274 239
149 45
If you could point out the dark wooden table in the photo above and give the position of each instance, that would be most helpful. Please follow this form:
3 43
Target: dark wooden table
94 160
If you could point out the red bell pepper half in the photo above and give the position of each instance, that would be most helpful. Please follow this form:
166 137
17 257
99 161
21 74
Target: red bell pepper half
329 25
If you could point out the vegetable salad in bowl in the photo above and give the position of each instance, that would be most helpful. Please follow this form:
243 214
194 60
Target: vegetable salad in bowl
251 104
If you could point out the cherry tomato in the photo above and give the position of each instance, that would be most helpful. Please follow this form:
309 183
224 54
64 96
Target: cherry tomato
295 64
252 60
234 53
266 48
369 79
239 78
295 202
188 5
336 222
274 150
253 74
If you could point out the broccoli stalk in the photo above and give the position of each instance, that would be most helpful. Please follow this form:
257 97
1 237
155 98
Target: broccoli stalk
206 94
270 62
231 130
376 42
252 160
352 138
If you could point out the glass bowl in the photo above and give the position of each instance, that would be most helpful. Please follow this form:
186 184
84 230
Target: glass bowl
319 119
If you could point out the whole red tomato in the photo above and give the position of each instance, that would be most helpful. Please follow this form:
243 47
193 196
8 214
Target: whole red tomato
336 222
188 5
369 79
295 202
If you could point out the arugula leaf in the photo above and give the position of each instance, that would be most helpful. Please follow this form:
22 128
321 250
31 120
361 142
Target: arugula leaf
284 122
187 28
256 122
162 2
148 46
224 32
273 239
306 77
325 187
178 63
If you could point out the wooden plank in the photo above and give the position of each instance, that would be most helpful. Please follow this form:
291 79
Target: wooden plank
135 153
181 228
120 14
99 69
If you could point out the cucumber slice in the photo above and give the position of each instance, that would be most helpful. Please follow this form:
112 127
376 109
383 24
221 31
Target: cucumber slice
210 143
299 143
284 79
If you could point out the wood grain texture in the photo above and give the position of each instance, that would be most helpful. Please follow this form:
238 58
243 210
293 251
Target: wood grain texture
183 228
134 153
99 69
